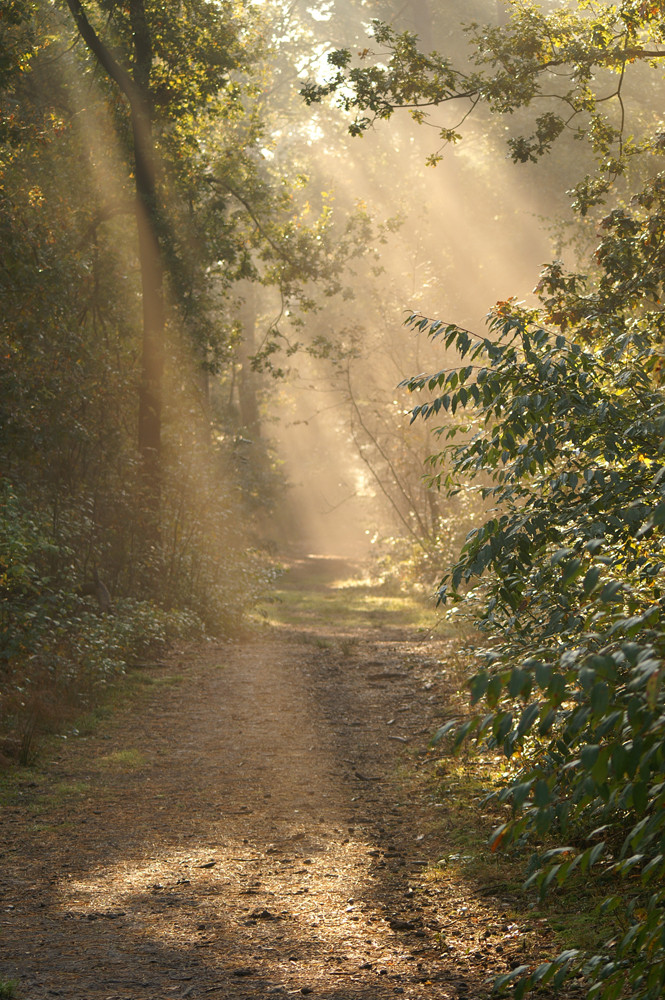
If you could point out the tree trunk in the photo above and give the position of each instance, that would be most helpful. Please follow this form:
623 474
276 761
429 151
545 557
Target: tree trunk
248 404
152 356
136 88
150 258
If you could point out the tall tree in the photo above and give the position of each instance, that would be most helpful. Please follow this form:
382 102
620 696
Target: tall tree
195 51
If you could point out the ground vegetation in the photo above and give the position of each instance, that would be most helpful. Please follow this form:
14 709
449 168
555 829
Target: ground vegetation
165 258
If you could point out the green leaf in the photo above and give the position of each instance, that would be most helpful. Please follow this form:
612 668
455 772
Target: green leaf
503 725
610 591
465 730
657 517
478 686
527 719
560 555
600 698
541 795
520 793
516 682
570 571
493 691
589 756
591 579
547 721
508 977
543 675
442 731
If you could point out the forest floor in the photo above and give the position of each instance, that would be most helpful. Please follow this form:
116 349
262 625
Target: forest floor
260 818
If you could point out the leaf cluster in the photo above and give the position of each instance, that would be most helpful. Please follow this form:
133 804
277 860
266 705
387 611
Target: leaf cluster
573 61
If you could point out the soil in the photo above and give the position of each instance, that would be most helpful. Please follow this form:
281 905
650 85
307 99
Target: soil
258 823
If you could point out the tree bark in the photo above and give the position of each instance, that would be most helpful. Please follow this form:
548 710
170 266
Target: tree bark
152 268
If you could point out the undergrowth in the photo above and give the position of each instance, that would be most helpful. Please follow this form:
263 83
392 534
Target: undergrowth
60 656
462 783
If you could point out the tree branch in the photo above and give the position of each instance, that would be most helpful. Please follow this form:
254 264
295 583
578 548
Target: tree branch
103 54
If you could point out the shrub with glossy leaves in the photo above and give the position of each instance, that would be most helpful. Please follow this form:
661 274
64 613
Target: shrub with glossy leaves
567 441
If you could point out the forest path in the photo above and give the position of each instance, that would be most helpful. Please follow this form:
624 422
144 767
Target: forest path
249 827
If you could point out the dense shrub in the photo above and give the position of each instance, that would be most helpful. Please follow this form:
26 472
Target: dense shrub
58 649
566 578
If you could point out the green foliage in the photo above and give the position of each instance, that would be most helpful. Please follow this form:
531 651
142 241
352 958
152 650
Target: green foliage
557 418
71 322
577 58
56 649
8 988
408 79
567 441
75 500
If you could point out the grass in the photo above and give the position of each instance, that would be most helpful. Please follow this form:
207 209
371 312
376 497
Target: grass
59 827
127 687
122 760
8 988
17 784
66 720
347 606
63 791
38 797
147 680
88 723
332 594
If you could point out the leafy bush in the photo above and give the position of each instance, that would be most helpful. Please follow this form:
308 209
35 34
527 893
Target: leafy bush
568 574
57 651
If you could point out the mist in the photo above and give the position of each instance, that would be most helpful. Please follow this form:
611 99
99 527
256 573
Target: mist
445 241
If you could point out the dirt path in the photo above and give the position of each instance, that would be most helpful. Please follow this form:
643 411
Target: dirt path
246 831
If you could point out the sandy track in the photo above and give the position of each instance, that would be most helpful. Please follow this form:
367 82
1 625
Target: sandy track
244 832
